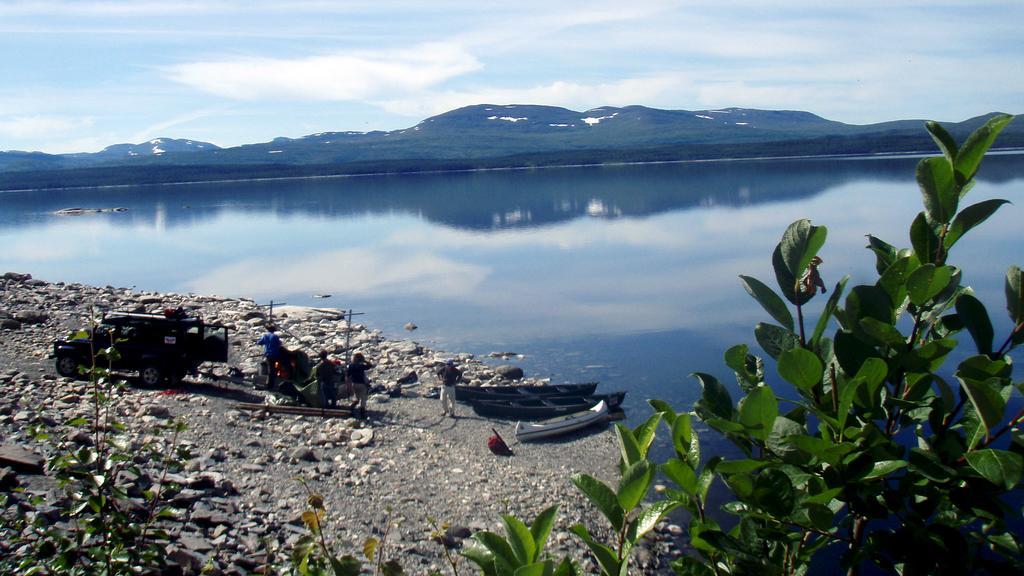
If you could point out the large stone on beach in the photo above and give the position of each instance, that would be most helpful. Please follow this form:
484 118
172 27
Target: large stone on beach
31 316
21 459
509 372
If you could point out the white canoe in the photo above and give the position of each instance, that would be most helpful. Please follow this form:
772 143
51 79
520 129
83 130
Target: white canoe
526 431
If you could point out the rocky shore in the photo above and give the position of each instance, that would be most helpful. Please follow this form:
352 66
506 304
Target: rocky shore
237 503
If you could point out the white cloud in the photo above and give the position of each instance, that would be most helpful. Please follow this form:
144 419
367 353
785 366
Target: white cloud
347 76
41 126
572 95
159 129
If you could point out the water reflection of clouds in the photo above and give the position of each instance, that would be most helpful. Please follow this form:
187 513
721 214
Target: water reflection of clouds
359 272
654 269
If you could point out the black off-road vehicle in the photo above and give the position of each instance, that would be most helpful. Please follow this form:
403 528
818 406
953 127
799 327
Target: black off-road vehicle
160 347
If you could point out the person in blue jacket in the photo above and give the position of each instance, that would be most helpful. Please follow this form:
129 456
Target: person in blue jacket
273 353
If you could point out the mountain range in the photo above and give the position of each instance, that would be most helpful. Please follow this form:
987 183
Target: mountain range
489 136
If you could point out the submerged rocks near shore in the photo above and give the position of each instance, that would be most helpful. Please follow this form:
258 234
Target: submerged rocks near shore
236 503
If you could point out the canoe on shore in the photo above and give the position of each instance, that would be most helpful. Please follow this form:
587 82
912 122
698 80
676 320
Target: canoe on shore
532 408
527 431
467 393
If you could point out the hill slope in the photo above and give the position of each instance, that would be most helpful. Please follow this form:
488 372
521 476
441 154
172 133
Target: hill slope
487 136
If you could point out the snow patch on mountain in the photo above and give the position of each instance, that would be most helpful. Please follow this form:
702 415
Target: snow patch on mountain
594 120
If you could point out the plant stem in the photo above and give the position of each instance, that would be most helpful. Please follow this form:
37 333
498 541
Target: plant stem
800 322
1009 339
859 524
835 390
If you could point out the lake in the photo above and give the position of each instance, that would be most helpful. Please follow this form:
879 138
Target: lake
622 274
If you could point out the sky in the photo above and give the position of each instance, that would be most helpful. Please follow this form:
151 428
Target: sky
77 76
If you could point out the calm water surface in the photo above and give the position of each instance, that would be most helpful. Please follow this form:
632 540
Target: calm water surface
626 275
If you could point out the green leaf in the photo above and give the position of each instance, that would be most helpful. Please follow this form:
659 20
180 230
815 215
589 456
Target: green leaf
651 515
682 435
851 352
868 302
689 566
848 389
924 239
928 281
391 568
665 408
885 253
981 367
541 528
769 300
500 550
927 464
715 398
566 568
520 539
944 140
759 410
744 466
480 556
894 279
974 429
884 468
603 497
939 189
828 312
346 566
606 558
930 357
969 157
775 339
800 367
986 398
645 431
736 357
969 218
999 467
629 449
1014 289
883 332
633 485
706 476
778 441
773 491
535 569
974 316
681 473
800 242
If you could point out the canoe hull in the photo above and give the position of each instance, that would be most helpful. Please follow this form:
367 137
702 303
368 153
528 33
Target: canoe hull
529 431
467 393
543 407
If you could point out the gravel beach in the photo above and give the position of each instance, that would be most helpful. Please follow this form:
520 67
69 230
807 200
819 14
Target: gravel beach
238 502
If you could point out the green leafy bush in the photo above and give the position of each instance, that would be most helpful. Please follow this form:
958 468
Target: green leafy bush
884 451
103 527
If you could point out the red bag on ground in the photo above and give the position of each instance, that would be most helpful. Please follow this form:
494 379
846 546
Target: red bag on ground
497 445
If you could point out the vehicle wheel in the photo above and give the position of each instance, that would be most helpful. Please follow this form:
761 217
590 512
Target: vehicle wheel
151 375
67 366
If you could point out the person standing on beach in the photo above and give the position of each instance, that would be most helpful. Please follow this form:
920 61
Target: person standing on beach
327 377
449 376
356 373
273 353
